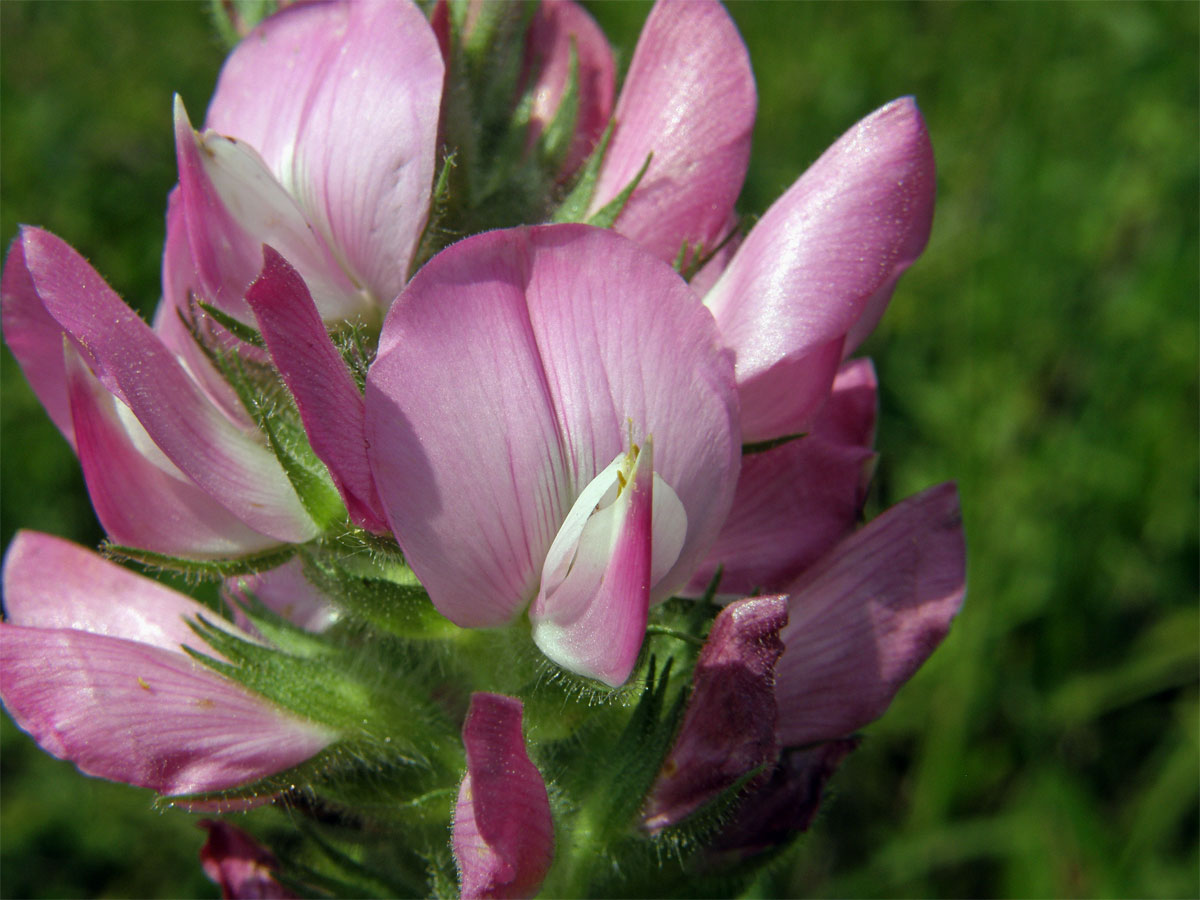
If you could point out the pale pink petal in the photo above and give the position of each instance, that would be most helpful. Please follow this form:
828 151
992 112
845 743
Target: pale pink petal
794 502
180 285
689 99
866 616
557 27
286 591
240 866
819 259
34 338
482 438
590 613
785 398
230 465
141 498
330 404
53 583
135 713
341 101
233 204
503 833
729 727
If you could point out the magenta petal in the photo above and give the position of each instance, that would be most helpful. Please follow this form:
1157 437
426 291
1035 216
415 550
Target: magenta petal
483 438
239 865
729 727
329 401
556 28
140 497
341 101
142 715
228 463
866 616
503 833
796 501
826 253
689 99
785 802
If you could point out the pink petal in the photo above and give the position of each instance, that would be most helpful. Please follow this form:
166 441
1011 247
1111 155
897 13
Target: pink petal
796 501
590 613
141 498
827 252
142 715
503 832
341 101
729 727
53 583
286 591
483 438
129 359
866 616
557 26
233 204
330 404
34 338
689 99
238 864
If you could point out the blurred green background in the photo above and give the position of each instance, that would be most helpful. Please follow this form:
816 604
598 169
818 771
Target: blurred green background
1043 353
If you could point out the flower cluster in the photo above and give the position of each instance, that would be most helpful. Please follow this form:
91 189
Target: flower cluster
533 483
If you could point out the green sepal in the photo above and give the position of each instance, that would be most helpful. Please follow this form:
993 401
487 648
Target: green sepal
285 635
237 328
574 208
605 217
233 19
307 474
201 569
764 446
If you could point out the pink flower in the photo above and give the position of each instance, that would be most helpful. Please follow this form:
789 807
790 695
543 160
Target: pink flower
320 140
503 834
92 666
171 464
574 451
856 626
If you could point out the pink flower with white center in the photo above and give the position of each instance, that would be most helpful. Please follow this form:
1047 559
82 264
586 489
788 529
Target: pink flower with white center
92 666
574 451
321 141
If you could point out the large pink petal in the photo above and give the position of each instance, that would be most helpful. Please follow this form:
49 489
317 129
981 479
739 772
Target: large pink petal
219 456
827 252
330 404
557 27
482 438
341 101
868 614
53 583
503 832
794 502
729 727
140 497
238 864
689 99
135 713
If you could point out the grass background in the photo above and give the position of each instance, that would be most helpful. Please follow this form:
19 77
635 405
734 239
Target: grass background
1043 353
